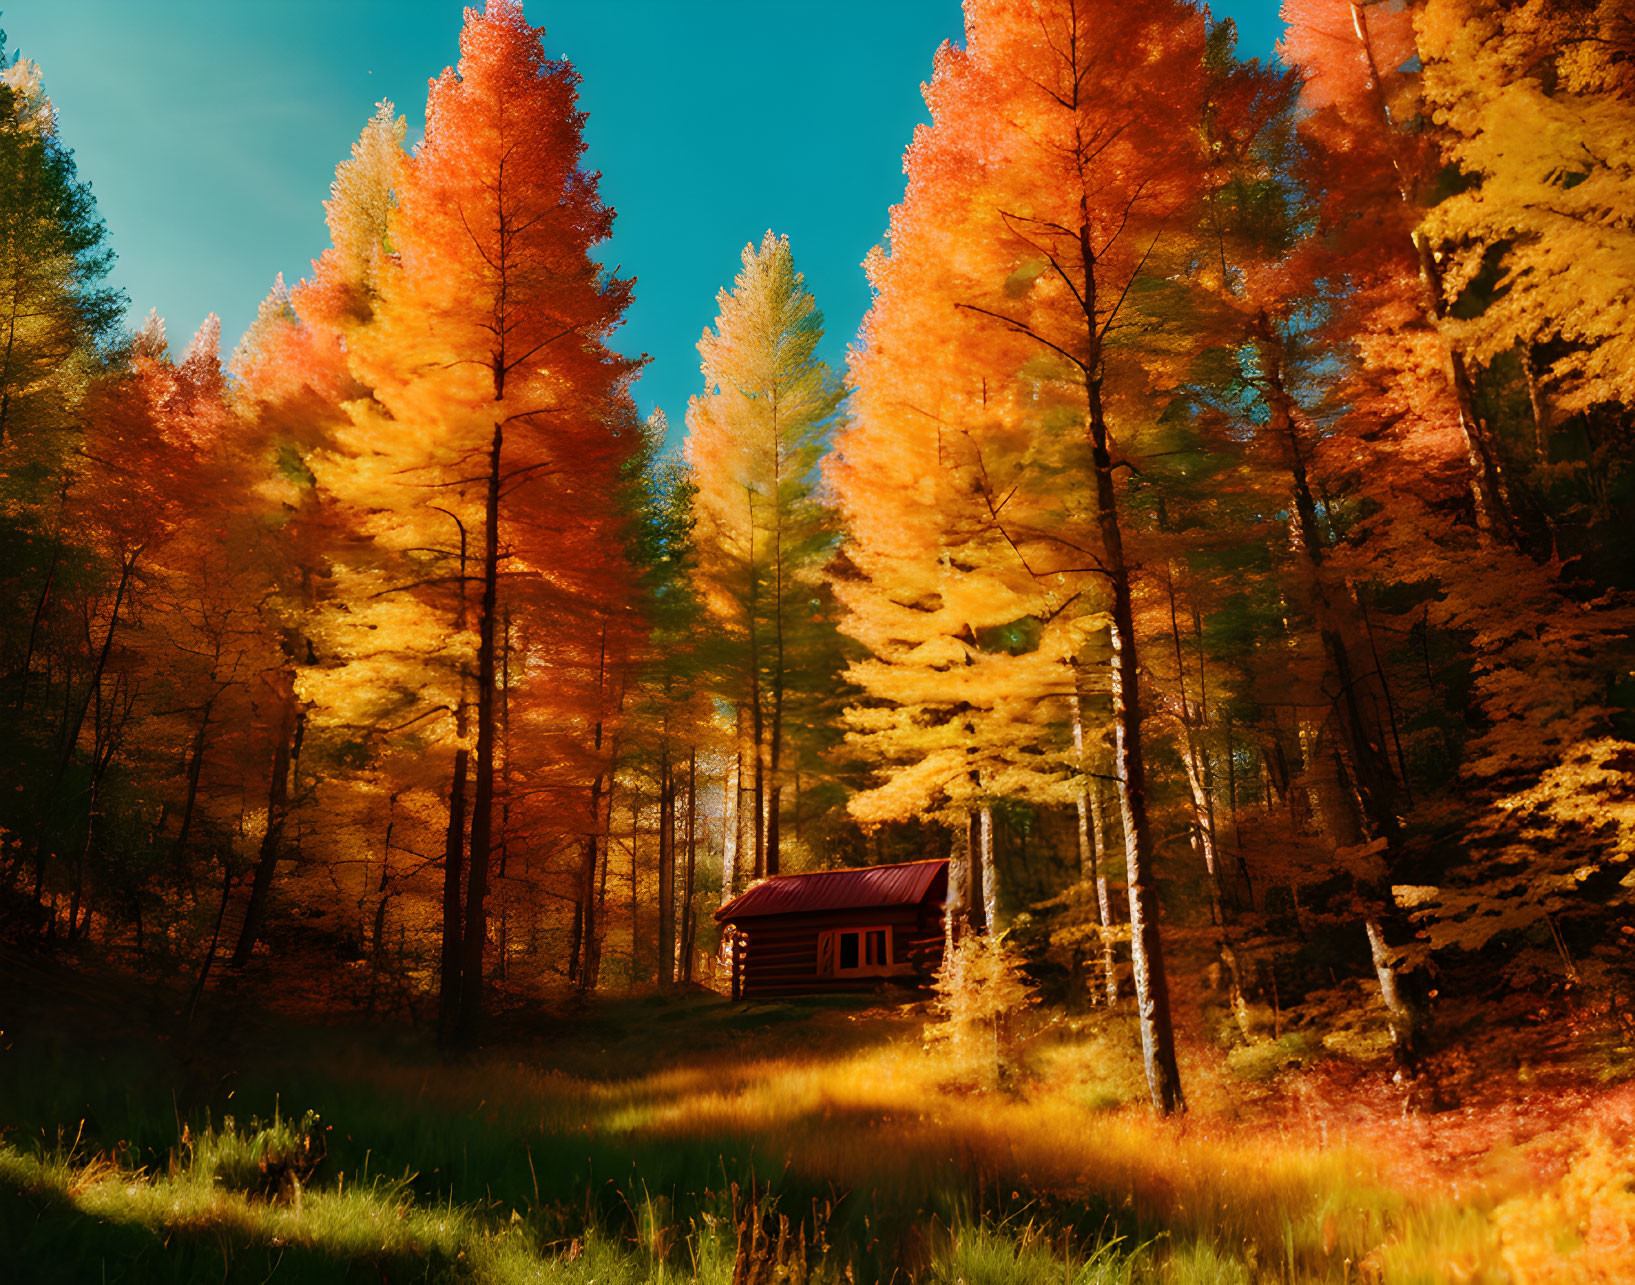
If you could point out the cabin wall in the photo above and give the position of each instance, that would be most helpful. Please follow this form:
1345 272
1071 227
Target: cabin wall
780 952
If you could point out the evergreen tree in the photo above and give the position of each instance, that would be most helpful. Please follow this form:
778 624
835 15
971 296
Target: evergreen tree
754 436
490 358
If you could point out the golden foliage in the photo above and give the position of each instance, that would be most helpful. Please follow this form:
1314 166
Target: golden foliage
981 993
1582 1231
1528 97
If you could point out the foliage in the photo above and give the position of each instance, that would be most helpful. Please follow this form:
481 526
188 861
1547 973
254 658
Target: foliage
1580 1229
1533 100
762 533
1221 541
981 998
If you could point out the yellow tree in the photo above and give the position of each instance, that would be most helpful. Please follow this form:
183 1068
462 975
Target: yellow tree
962 572
1535 108
753 440
295 390
1078 124
971 573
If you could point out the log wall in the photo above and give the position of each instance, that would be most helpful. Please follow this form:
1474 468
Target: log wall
780 952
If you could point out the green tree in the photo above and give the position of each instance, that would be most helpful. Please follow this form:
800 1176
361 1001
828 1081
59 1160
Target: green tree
56 317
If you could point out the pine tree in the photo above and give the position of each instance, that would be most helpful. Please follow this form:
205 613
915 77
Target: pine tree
56 319
1102 153
963 573
53 258
754 437
489 356
300 395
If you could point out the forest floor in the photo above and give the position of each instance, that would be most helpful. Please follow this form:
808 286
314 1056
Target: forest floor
682 1137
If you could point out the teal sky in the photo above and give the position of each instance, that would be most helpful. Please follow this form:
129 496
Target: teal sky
210 130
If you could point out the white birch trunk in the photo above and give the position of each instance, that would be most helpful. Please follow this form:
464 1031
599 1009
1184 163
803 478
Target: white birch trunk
729 831
990 881
956 917
1104 899
1092 847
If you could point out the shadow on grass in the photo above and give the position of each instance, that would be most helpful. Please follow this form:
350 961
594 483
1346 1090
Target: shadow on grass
638 1122
48 1240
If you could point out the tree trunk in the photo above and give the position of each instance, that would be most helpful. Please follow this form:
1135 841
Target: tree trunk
775 762
1385 690
598 914
1237 832
756 713
71 733
504 771
1104 899
79 862
959 915
1203 821
377 937
39 615
729 819
1489 494
635 929
1405 1024
210 954
291 724
475 936
990 877
1092 847
1376 790
774 801
76 720
195 765
758 812
1146 942
105 743
449 978
1089 872
774 794
667 873
584 926
584 917
976 907
687 929
1535 400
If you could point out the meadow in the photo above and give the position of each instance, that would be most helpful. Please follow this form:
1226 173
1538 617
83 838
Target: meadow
683 1137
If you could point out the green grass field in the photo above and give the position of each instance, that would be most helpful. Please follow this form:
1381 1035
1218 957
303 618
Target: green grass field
686 1138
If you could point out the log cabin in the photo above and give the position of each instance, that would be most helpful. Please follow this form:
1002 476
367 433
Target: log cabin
833 931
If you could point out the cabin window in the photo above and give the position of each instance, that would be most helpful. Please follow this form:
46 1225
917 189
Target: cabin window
855 952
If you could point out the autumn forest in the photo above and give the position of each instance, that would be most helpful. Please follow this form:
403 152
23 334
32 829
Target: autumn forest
1210 551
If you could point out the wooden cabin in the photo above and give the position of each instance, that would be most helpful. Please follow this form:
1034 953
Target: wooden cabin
837 930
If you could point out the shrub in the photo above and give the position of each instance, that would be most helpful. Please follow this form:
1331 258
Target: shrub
271 1160
981 994
1581 1231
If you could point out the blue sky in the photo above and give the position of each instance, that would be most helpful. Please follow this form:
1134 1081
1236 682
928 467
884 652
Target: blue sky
210 130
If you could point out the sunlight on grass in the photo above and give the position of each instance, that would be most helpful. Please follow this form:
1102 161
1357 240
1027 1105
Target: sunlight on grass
869 1160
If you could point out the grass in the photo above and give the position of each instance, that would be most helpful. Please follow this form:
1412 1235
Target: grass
688 1139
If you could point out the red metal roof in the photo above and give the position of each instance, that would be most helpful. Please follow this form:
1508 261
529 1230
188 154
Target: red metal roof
900 885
